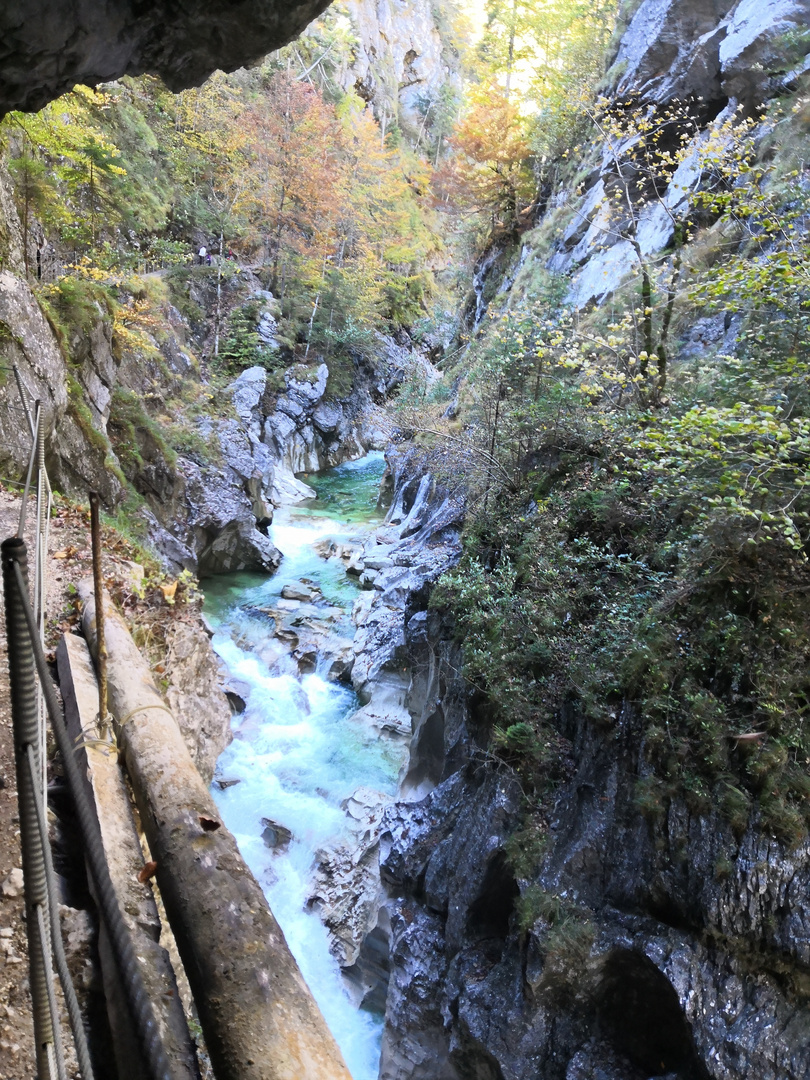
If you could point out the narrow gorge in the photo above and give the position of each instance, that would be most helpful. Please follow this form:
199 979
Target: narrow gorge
442 371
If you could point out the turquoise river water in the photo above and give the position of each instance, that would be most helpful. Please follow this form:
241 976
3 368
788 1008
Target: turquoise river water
295 752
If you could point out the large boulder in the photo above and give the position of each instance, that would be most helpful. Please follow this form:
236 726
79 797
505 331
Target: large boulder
222 524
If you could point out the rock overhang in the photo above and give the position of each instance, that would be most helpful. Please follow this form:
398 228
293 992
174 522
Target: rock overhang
47 46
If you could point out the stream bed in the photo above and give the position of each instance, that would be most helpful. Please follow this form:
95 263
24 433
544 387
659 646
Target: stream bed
296 753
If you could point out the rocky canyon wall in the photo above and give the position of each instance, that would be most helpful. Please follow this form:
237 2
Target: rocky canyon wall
580 934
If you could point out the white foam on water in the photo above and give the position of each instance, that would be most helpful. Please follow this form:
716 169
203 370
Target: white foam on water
371 458
296 758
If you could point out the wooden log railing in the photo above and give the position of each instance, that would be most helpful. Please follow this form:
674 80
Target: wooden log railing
257 1014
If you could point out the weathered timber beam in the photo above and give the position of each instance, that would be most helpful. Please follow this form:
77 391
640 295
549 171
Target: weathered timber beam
257 1014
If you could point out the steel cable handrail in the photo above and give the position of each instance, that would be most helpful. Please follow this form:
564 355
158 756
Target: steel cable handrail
72 1002
126 960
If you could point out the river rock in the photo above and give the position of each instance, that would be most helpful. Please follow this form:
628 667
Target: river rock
355 565
365 805
347 894
288 605
307 658
361 608
367 579
271 653
374 561
295 590
386 713
276 837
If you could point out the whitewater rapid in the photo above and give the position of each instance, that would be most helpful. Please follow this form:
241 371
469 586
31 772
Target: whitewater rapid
295 752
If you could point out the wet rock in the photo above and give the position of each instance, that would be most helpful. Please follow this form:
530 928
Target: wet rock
386 713
237 703
271 653
295 590
224 783
374 561
288 605
367 579
361 609
347 894
355 565
307 658
276 837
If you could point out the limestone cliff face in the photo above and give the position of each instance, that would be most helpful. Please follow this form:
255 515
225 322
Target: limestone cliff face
670 946
718 57
26 340
402 60
714 58
206 512
717 50
682 949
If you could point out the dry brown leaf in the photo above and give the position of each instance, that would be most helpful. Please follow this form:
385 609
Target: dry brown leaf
169 590
147 872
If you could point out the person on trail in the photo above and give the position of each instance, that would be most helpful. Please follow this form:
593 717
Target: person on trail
203 253
208 259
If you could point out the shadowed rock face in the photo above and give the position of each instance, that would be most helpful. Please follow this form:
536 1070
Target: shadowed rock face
47 46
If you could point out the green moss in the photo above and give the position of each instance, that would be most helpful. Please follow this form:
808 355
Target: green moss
525 848
130 425
651 799
79 410
536 903
74 305
565 938
178 280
